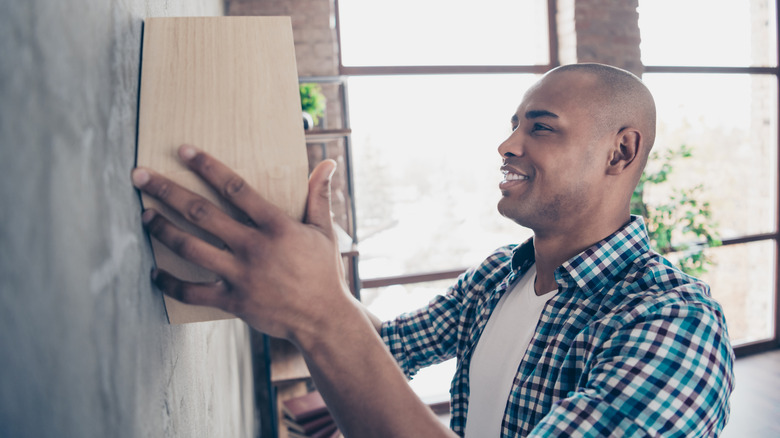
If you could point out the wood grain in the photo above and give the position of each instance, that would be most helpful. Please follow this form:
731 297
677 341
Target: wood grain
229 86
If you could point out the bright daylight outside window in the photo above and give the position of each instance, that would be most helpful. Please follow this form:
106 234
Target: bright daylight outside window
426 166
443 32
727 120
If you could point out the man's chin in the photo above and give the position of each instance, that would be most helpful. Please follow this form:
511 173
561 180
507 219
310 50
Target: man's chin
509 211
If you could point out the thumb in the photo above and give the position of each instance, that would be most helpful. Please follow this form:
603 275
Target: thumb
318 201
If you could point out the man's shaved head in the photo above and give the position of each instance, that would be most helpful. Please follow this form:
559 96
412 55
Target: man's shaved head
619 99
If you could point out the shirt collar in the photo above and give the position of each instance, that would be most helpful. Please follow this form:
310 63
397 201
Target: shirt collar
589 269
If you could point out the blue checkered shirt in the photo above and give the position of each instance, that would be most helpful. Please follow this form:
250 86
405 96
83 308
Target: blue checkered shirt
629 346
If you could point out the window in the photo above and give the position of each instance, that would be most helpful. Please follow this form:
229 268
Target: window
432 88
427 169
716 86
443 32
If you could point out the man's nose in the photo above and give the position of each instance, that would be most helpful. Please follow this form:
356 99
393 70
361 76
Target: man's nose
512 146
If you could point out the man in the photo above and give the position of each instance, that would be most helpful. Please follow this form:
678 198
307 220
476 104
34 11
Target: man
581 331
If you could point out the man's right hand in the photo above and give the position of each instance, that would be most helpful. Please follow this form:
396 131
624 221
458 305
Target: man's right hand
283 277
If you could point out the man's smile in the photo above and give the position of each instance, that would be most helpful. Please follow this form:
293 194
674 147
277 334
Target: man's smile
512 177
509 176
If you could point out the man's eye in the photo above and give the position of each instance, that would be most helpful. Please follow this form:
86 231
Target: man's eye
540 127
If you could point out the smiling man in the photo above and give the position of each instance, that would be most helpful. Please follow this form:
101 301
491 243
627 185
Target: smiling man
581 331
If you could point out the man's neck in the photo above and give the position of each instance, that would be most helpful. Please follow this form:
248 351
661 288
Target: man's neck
551 250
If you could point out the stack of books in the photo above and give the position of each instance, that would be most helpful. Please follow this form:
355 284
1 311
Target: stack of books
308 417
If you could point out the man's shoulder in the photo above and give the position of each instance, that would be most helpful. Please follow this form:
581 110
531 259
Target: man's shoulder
653 285
653 273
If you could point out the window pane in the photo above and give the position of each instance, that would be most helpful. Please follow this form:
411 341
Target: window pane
443 32
730 124
708 32
390 301
742 280
431 384
426 169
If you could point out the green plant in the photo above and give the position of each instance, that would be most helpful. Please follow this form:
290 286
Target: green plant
312 101
682 226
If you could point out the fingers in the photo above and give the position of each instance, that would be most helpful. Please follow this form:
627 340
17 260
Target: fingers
188 246
232 187
200 294
191 206
318 202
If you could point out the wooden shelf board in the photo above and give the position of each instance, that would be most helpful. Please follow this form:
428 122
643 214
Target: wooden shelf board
326 134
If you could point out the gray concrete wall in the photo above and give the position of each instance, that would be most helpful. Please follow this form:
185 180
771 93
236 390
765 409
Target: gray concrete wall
85 347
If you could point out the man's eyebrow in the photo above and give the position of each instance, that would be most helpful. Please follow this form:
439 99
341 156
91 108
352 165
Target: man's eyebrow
535 114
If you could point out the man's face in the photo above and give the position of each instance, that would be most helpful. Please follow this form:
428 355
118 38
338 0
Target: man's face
555 158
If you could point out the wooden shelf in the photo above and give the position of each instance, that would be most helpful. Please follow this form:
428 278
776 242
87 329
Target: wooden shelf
287 364
326 134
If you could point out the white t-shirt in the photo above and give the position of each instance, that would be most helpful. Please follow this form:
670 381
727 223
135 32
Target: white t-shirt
498 354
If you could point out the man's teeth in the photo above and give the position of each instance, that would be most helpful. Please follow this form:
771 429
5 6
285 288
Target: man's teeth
514 177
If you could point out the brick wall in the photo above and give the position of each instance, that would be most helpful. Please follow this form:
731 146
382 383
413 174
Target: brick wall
605 31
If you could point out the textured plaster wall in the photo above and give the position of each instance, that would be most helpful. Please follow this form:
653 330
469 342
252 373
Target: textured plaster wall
85 347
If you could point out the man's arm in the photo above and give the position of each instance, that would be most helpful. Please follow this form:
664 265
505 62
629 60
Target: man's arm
285 279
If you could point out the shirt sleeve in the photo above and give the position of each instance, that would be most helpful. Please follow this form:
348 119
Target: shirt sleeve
426 336
668 374
431 335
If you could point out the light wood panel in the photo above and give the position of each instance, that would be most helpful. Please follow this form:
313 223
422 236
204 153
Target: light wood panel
229 86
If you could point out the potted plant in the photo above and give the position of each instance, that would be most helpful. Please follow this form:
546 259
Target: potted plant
683 225
312 104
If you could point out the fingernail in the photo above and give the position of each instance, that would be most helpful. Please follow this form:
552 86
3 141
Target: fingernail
187 152
155 273
147 216
140 177
332 170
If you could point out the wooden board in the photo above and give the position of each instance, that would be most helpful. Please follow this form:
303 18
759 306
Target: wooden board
229 86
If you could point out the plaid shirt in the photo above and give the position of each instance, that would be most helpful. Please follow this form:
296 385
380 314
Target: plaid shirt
629 346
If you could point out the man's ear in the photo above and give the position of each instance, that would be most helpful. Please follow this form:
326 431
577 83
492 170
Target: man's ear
628 143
